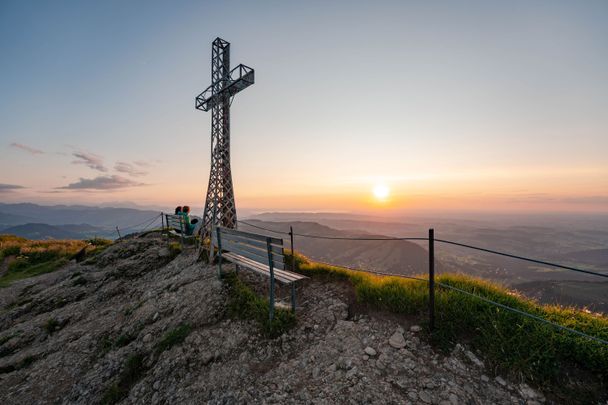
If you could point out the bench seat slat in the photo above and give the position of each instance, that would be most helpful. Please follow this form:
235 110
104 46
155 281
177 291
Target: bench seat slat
274 241
258 269
260 257
288 275
285 277
263 252
256 243
174 232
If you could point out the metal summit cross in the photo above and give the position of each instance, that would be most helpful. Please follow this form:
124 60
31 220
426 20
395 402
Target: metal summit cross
220 208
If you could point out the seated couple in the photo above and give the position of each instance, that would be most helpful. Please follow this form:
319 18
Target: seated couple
192 226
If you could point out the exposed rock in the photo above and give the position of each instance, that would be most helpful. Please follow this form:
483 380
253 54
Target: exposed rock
397 340
474 359
529 393
370 351
501 381
424 397
415 328
136 295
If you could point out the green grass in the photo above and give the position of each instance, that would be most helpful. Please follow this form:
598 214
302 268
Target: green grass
513 344
174 249
26 362
51 325
173 337
131 373
20 272
244 303
33 258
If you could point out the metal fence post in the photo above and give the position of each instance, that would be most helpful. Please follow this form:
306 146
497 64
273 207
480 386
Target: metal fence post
293 268
118 232
431 279
271 268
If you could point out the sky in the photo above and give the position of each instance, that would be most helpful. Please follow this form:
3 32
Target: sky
445 106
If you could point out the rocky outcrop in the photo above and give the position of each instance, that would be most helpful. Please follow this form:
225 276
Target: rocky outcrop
68 341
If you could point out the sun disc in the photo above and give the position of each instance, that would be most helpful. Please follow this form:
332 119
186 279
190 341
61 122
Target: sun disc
381 191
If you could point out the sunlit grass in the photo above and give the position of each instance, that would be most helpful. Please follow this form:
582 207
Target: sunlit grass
32 258
513 343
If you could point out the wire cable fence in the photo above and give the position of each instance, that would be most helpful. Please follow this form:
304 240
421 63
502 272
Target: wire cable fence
431 279
146 224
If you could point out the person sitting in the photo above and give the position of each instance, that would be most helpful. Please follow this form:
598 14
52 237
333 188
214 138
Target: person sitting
190 225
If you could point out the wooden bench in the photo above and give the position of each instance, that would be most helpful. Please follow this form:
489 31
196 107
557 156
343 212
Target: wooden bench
175 225
259 253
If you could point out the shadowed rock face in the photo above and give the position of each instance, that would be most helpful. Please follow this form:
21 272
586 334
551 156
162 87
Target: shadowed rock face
64 341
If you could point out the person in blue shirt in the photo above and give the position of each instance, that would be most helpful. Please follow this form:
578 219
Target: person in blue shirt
190 224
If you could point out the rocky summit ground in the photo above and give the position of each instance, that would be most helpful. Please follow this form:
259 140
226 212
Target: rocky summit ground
67 337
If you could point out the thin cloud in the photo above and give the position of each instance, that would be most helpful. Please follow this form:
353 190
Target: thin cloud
91 160
142 163
6 188
26 148
102 183
128 168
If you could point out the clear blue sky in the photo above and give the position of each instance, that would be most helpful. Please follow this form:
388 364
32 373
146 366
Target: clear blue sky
446 103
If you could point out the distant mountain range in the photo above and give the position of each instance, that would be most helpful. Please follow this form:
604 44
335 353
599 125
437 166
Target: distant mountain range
392 256
36 231
70 221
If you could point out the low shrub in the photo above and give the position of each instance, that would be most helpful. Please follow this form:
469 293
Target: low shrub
174 249
131 373
51 325
173 337
244 303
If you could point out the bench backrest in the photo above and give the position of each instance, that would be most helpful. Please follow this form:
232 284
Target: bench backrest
251 245
175 222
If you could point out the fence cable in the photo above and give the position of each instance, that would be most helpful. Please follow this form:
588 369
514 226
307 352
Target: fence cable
330 237
487 300
528 259
150 224
522 258
140 224
379 273
444 285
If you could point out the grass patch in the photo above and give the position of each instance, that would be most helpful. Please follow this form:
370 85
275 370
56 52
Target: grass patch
173 337
107 344
34 257
512 343
79 281
52 325
26 362
131 373
174 249
244 303
5 339
20 271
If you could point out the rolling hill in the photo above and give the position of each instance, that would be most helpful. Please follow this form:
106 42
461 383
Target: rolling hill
392 256
37 231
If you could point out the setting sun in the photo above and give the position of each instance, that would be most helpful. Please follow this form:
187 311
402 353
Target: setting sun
381 191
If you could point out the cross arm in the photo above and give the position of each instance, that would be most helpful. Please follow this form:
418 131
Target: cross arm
238 79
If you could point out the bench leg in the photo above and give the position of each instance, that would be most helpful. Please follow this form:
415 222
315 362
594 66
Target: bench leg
293 297
219 266
271 307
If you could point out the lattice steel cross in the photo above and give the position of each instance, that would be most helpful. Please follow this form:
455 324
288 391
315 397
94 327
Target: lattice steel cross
220 208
